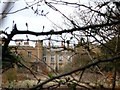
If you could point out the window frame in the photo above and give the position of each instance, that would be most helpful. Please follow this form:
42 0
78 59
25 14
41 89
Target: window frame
29 54
52 58
60 58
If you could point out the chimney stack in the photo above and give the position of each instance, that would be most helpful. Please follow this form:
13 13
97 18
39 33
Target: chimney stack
39 43
26 43
19 42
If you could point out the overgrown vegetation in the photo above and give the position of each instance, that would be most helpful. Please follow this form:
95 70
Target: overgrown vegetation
96 50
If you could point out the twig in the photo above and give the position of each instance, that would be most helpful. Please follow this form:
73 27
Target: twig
79 69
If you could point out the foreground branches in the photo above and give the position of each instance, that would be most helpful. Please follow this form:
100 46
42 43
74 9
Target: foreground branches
99 25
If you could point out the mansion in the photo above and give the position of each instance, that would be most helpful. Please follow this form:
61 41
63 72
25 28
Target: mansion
42 58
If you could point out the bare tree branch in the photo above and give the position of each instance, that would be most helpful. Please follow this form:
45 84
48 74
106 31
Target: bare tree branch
79 69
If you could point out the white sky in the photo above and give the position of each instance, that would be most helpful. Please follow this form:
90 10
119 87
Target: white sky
35 22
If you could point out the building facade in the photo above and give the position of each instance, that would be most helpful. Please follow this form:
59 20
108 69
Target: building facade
56 58
42 58
31 56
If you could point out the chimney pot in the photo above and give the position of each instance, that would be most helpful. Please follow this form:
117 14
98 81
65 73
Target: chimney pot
26 43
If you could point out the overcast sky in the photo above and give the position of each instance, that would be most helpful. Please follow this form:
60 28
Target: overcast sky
32 19
35 22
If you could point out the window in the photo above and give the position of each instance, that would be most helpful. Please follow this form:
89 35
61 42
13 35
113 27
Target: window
29 54
44 57
52 58
60 57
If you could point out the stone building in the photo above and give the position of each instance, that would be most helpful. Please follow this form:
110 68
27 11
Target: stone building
31 56
86 54
41 58
56 58
47 58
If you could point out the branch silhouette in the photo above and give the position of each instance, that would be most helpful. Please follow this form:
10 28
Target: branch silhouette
97 22
40 86
15 31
